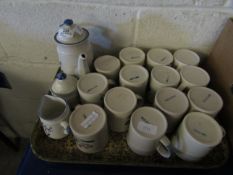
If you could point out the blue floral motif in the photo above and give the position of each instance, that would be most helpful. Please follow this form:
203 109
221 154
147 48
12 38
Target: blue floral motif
47 129
86 144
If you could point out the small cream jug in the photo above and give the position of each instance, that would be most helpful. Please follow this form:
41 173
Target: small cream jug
54 115
72 40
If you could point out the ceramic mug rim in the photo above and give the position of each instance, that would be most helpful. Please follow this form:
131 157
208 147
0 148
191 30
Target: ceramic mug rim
91 133
108 71
184 80
152 63
180 63
147 138
209 145
119 112
94 94
175 72
133 83
167 111
210 112
142 59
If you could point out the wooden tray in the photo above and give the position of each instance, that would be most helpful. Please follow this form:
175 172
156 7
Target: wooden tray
116 153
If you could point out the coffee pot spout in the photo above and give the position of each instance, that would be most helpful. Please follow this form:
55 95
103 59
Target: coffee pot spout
82 67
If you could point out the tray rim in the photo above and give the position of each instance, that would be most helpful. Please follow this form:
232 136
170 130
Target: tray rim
102 163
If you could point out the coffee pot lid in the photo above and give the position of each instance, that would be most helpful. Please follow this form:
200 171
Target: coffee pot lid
70 33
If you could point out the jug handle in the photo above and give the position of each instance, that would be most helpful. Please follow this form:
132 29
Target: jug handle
65 125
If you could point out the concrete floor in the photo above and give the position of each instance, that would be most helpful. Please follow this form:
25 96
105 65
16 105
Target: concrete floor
10 159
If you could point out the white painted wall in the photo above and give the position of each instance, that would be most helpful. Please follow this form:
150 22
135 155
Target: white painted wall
28 54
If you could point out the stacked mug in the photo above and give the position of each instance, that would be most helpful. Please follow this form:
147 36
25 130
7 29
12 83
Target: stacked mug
160 99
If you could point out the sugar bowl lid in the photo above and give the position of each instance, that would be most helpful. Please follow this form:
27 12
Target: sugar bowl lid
64 84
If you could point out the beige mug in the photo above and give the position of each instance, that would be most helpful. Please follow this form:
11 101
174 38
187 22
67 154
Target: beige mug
92 87
163 76
158 56
134 77
119 103
147 132
109 66
193 76
205 100
88 124
132 55
173 103
183 57
196 136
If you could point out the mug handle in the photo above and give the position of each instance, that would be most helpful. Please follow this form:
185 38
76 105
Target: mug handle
223 131
140 100
111 83
65 125
181 87
164 147
150 95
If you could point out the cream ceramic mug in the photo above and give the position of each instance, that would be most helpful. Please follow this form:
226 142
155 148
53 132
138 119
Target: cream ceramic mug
158 56
134 77
183 57
119 103
132 55
92 87
193 76
163 76
88 124
196 136
109 66
147 132
205 100
173 103
54 113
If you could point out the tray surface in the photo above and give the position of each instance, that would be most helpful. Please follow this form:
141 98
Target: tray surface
116 153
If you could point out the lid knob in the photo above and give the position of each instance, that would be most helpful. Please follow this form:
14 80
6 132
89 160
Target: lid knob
61 76
68 22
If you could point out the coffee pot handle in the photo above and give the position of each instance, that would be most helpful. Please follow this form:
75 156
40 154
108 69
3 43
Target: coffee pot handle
164 147
65 125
